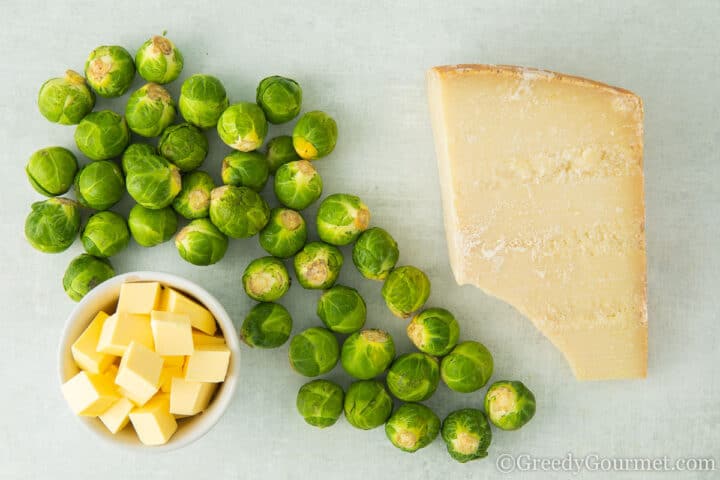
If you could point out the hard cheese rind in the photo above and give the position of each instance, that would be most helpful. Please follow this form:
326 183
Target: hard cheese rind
542 188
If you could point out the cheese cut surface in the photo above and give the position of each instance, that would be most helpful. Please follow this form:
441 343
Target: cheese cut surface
542 189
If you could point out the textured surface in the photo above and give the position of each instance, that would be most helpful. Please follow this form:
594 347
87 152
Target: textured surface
367 67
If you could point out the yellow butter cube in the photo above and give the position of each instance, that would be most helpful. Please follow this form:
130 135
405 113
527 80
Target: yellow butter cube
89 394
204 339
117 416
139 373
190 398
173 360
153 422
140 298
84 350
167 375
208 363
122 328
172 333
200 317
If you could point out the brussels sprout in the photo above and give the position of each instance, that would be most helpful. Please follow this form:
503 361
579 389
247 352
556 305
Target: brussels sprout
467 368
367 353
99 185
467 434
320 402
341 218
53 225
413 426
313 352
152 227
509 404
367 404
238 211
105 234
242 126
297 184
201 243
375 253
245 169
150 110
434 331
280 98
133 155
84 273
318 265
202 100
158 60
268 325
285 234
193 201
66 100
51 170
110 71
413 377
153 182
185 145
342 309
406 289
102 135
315 135
266 279
280 150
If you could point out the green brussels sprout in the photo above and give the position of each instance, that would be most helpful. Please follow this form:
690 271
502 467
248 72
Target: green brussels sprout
133 155
266 279
280 150
153 182
413 426
434 331
406 289
318 265
202 100
268 325
297 184
193 201
367 404
185 145
315 135
102 135
152 227
51 170
285 234
367 353
66 100
467 367
375 253
150 110
314 351
341 218
201 243
110 71
99 185
158 60
242 126
467 434
84 273
280 98
413 377
245 169
53 225
509 404
105 234
238 212
320 403
342 309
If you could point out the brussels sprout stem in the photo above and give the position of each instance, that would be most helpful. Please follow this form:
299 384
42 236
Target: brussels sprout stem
465 443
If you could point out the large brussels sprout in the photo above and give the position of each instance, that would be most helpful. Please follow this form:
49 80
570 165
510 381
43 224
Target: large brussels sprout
245 169
318 265
158 60
105 234
341 218
266 279
152 227
320 402
315 135
243 126
342 309
406 289
285 234
66 100
467 367
367 404
314 351
509 404
375 253
150 110
367 353
280 150
202 100
133 155
110 70
434 331
297 184
51 170
85 273
193 201
102 135
53 225
99 185
185 145
153 181
268 325
201 243
413 377
413 426
238 212
467 434
280 98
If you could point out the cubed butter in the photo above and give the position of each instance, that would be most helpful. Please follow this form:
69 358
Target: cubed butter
167 375
140 297
117 416
172 333
208 363
190 398
173 360
89 394
139 373
200 317
204 339
153 422
120 329
84 350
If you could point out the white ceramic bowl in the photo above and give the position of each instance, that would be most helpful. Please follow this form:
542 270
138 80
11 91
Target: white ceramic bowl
105 297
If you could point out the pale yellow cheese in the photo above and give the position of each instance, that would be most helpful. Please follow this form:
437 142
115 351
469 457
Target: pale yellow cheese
88 394
203 339
208 363
542 187
139 373
190 398
140 297
173 360
166 377
153 422
122 328
117 416
172 333
84 349
200 317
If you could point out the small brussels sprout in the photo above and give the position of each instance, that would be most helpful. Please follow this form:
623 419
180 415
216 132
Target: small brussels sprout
318 265
51 170
314 351
202 100
268 325
201 243
413 377
297 184
467 434
367 404
158 60
152 227
509 404
242 126
245 169
105 234
285 234
341 218
99 185
66 100
150 110
280 150
467 367
53 225
110 71
434 331
280 98
320 403
342 309
84 273
367 353
406 289
193 201
375 253
153 182
413 426
133 154
102 135
238 211
266 279
185 145
315 135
